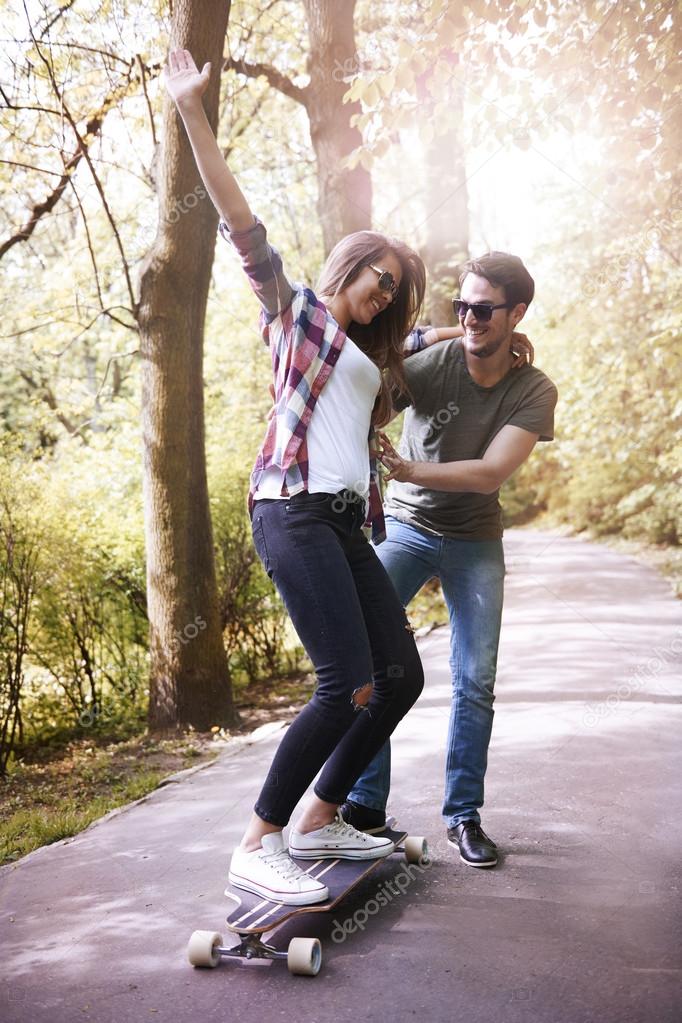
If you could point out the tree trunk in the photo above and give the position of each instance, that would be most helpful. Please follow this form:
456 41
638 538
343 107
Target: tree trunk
344 196
447 226
189 680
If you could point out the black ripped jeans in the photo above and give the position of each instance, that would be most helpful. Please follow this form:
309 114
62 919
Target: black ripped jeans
355 631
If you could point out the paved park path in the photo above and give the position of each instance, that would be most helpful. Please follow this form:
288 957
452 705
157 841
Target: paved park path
579 923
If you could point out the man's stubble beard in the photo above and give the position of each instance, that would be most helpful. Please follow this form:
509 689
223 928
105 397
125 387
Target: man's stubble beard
491 348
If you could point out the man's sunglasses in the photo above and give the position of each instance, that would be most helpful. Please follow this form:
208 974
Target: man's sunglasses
386 281
483 311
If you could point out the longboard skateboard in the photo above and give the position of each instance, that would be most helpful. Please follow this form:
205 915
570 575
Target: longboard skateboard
252 916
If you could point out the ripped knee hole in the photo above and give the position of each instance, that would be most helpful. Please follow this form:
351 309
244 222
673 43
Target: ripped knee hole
361 696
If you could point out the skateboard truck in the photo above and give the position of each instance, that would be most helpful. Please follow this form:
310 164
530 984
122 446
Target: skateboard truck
303 956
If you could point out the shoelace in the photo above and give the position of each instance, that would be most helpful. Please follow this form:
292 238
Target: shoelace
343 829
283 864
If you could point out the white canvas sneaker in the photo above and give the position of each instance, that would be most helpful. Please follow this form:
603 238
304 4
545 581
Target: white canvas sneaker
271 873
341 840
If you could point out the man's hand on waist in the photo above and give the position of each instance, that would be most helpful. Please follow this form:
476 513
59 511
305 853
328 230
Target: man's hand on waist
506 452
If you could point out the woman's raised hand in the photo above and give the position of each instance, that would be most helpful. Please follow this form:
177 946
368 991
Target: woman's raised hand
182 79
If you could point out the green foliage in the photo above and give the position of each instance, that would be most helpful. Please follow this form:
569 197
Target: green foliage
255 623
85 665
19 563
527 69
616 465
528 492
29 829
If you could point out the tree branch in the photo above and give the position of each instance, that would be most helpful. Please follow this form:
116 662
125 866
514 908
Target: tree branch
86 155
62 11
86 327
93 258
92 130
48 397
30 166
117 384
275 78
146 96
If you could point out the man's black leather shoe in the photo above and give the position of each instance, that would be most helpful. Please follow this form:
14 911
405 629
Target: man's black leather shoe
364 818
475 848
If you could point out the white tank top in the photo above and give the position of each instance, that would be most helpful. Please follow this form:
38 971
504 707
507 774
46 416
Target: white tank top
337 435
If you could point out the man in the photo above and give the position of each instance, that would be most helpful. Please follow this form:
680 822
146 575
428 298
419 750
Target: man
472 420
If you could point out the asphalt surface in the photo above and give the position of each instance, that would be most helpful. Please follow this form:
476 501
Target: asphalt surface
579 922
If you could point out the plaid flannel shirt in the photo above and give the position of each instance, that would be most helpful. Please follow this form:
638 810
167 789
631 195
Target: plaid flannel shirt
305 342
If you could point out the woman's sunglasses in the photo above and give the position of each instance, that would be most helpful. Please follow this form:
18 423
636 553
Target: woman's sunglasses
482 311
386 281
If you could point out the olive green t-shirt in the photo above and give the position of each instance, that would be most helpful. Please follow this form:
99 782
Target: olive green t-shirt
451 418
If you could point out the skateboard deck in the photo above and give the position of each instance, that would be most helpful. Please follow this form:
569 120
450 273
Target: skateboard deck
251 916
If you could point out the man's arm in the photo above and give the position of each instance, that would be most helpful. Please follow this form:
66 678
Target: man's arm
424 337
508 450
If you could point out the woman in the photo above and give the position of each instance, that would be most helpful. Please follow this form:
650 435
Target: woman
310 491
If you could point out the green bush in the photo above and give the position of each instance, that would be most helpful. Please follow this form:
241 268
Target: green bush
19 565
256 629
85 665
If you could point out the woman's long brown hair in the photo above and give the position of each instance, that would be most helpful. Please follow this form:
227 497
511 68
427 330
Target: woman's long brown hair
382 339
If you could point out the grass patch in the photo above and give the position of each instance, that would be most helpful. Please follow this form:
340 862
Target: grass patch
32 827
59 795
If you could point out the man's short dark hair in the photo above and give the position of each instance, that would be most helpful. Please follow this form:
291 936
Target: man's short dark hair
502 270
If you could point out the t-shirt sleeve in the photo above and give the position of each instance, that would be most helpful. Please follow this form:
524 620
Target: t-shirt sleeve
535 412
262 264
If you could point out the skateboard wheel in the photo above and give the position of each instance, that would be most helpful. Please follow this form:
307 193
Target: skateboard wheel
304 956
416 849
201 950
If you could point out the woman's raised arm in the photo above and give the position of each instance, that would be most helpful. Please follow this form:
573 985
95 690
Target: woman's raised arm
186 86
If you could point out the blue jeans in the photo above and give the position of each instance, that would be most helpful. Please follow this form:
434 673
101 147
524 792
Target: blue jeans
471 573
354 629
